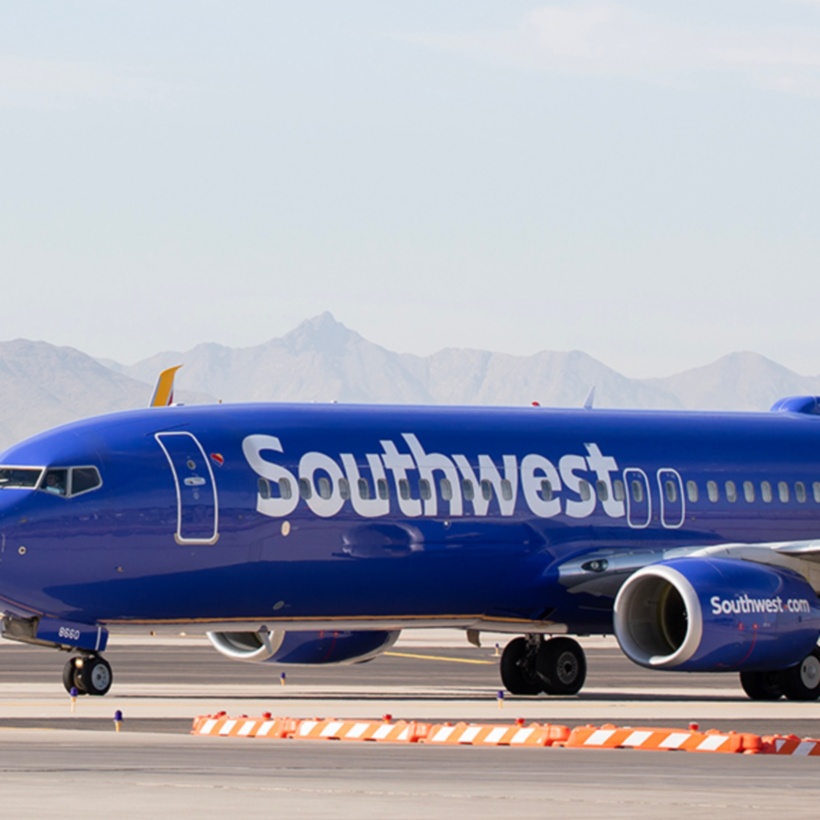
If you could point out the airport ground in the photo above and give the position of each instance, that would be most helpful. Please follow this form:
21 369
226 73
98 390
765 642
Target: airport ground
56 763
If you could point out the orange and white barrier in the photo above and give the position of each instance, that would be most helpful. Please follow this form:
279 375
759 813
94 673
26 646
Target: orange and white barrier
477 734
662 740
400 732
792 745
223 726
517 734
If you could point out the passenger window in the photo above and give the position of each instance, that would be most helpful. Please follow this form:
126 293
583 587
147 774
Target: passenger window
364 489
506 489
264 488
603 490
783 491
424 489
546 489
731 492
325 490
383 489
84 479
671 491
584 488
766 491
468 491
637 490
800 492
304 489
712 491
55 482
749 491
285 490
344 488
446 489
618 490
486 490
404 488
815 488
692 491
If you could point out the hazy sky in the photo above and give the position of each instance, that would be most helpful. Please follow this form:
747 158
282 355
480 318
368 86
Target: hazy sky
639 180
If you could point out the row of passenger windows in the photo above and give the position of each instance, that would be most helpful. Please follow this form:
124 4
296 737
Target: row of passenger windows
731 490
324 489
749 491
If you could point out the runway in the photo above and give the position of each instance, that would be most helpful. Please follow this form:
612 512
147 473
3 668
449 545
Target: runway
62 764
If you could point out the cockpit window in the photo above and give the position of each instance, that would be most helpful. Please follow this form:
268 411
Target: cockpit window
68 481
18 478
55 482
84 479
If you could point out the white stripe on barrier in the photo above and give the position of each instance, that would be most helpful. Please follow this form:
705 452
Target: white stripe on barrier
599 737
306 726
226 729
247 728
357 730
521 735
207 727
637 738
331 728
675 740
712 743
442 734
265 728
469 734
496 734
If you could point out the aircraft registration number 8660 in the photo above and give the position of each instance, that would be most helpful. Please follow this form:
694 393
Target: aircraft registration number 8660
68 632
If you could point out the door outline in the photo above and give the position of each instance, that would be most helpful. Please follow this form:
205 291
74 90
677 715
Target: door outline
629 472
664 474
192 482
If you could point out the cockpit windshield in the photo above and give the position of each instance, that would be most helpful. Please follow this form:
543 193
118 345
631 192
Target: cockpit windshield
19 478
63 481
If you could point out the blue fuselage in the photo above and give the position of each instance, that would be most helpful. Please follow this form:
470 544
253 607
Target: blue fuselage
307 514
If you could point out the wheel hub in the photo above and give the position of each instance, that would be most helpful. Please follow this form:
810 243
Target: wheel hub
810 672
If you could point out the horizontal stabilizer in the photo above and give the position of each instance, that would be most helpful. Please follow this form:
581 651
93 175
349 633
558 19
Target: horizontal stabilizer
808 405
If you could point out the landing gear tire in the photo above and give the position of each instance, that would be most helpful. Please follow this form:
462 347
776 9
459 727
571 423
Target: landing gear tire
562 667
518 668
71 676
762 685
802 682
89 676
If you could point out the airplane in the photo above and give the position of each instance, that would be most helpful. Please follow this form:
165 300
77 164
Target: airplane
315 533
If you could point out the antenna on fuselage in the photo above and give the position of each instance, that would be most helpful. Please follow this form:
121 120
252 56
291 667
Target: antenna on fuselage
164 391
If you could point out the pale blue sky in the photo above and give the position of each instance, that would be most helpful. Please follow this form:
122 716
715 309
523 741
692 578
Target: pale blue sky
639 180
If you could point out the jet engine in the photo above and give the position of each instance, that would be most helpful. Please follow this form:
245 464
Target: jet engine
716 615
325 647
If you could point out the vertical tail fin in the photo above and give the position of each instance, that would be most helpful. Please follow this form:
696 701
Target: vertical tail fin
164 391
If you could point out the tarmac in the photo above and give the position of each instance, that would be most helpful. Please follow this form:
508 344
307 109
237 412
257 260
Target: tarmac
63 763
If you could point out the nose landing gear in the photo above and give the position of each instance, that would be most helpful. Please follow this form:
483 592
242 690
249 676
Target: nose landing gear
88 674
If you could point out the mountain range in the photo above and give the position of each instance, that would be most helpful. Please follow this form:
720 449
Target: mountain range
322 360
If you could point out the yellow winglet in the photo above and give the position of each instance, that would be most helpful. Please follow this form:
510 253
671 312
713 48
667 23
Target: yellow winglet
164 391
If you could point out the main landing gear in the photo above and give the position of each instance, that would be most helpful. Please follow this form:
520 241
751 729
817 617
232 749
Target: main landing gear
532 665
88 674
801 682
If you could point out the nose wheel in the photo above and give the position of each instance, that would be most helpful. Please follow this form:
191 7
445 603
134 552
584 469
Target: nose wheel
89 675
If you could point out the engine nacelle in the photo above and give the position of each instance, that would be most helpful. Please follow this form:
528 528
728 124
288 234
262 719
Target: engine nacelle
308 648
716 615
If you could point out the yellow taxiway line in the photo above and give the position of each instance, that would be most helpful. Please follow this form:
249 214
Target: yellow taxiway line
435 658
